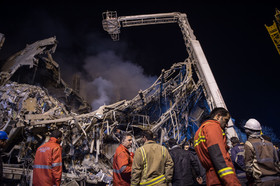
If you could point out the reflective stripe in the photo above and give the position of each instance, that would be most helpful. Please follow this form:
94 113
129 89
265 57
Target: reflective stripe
56 164
47 166
42 167
225 171
162 151
144 161
120 170
154 181
200 139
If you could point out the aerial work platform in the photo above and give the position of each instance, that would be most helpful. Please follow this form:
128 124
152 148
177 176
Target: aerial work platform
198 85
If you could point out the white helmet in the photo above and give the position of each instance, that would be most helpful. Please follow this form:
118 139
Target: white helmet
253 124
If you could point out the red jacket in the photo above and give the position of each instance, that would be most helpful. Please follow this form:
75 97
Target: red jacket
122 164
212 150
47 169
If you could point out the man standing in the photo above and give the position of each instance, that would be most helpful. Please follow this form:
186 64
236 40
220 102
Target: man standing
3 140
47 169
212 150
261 159
122 162
185 165
237 154
152 163
188 146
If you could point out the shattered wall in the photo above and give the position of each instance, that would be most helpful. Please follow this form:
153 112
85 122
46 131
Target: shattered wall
34 65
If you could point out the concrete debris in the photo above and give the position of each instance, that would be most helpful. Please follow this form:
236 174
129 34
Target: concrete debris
172 108
35 65
27 102
34 100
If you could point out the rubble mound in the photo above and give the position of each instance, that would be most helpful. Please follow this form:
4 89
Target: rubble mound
25 102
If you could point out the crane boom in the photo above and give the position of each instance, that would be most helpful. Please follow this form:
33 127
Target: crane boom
273 31
112 24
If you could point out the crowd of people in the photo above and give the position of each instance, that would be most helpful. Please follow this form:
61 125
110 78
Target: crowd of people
207 160
204 160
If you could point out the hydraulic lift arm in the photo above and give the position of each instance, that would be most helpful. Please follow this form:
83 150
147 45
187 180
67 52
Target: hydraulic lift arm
112 24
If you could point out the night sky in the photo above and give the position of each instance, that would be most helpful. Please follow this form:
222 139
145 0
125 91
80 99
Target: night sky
238 48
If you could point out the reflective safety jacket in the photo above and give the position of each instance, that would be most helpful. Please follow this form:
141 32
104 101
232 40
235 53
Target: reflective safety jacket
152 165
47 168
122 164
212 150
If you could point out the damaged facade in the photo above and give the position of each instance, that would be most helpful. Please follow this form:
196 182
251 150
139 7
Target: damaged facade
34 100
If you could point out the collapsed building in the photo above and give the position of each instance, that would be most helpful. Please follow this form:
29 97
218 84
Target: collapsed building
34 100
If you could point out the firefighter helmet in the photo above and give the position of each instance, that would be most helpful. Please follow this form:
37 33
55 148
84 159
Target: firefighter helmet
253 124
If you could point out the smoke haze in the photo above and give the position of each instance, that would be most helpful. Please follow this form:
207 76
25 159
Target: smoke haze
113 79
105 67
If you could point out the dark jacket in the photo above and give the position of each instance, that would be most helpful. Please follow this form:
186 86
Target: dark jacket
184 163
202 171
237 154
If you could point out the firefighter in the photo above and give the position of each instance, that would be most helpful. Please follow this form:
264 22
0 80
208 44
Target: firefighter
47 168
212 150
122 162
152 163
261 159
3 140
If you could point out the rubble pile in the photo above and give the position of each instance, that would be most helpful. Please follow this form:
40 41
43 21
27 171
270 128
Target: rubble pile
21 101
22 107
34 100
